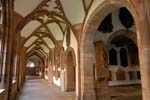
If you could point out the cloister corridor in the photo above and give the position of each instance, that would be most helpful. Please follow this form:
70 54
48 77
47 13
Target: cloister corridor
74 49
36 88
39 89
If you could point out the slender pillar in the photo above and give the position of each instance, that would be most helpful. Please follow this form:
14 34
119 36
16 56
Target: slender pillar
50 74
9 49
144 56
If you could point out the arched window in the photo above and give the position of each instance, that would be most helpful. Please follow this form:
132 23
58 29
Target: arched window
133 54
112 57
106 26
31 65
123 57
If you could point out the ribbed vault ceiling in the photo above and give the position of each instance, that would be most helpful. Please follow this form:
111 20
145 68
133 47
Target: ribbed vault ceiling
49 21
43 34
71 8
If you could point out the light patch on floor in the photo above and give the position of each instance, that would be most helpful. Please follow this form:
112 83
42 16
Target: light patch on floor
40 89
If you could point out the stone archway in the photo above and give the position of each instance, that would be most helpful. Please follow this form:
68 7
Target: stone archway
70 70
130 34
31 69
87 47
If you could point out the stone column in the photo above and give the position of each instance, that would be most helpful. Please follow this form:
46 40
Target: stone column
9 40
62 73
101 72
50 68
144 50
42 65
52 63
22 67
144 56
143 39
78 33
87 74
50 73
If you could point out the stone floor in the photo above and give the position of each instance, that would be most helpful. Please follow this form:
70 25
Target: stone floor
40 89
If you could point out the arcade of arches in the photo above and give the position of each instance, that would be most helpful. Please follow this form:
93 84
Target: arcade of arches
89 49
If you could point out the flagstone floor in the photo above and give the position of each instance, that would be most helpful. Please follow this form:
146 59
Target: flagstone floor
40 89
